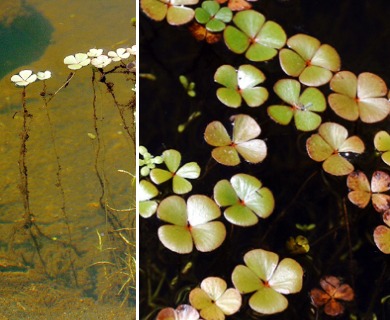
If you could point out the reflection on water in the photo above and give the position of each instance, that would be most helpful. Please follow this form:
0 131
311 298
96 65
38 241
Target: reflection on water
66 219
23 39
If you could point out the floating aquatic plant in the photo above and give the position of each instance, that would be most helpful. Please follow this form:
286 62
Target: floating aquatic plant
330 145
43 75
298 245
119 54
101 61
179 176
361 191
259 39
382 144
94 53
146 192
175 11
245 130
382 234
237 5
246 199
240 84
362 96
148 162
24 78
200 33
331 295
213 16
301 106
214 299
308 59
268 279
190 224
77 61
182 312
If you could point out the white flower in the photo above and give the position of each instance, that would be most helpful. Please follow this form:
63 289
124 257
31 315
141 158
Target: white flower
24 78
77 61
132 50
94 53
43 75
120 54
101 61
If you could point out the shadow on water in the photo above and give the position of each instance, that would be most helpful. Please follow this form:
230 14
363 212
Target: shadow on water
24 40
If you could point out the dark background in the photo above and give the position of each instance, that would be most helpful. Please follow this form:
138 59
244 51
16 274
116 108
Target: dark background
359 30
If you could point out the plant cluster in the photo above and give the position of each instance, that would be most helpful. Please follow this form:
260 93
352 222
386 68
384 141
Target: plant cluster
324 102
123 277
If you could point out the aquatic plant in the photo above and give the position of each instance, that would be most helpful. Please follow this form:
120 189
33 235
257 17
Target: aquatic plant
301 106
362 96
268 279
179 176
243 142
318 179
382 144
214 299
182 312
382 234
213 16
190 224
309 60
245 198
240 84
330 144
24 78
331 295
259 39
361 191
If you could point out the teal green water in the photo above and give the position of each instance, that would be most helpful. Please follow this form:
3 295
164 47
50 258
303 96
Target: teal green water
24 41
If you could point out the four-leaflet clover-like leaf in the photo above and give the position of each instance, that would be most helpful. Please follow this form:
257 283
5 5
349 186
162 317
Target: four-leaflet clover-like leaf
182 312
174 10
253 35
245 198
309 60
362 96
190 224
382 234
172 159
382 144
331 294
245 130
268 279
214 300
212 16
361 191
301 107
330 145
240 84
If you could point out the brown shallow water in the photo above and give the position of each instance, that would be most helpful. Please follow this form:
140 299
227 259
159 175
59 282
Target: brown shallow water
70 263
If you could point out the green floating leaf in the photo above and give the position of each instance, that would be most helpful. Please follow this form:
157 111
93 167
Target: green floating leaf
301 107
191 224
382 144
267 280
362 96
245 199
172 159
329 144
307 59
147 191
258 38
245 129
212 16
173 10
240 84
